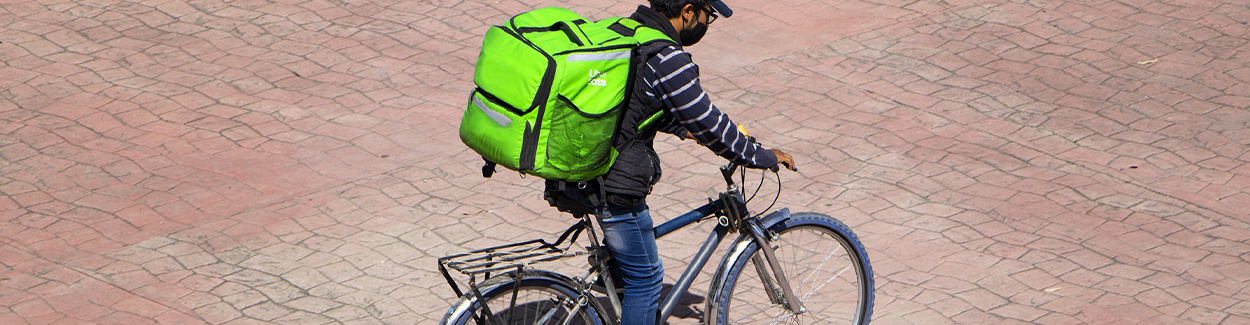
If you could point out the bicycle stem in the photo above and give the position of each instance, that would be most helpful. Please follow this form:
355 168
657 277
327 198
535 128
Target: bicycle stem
728 171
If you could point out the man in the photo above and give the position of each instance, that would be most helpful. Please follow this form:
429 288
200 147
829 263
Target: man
668 81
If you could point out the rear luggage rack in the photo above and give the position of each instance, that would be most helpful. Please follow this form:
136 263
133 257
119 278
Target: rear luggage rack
507 257
504 258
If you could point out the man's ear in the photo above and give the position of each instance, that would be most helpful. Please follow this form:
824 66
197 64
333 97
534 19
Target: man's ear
688 13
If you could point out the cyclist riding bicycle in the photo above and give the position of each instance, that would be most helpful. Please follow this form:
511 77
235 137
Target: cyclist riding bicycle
668 81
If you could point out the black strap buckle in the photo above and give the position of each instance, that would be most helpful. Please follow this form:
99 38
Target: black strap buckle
488 168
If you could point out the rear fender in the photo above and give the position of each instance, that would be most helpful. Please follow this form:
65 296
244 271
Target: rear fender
468 301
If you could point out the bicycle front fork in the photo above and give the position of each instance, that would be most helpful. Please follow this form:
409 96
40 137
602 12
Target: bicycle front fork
788 298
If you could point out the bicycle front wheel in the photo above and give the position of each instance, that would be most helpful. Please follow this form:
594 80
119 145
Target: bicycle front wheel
825 264
539 298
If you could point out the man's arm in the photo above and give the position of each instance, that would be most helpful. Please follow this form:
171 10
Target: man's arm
676 129
674 79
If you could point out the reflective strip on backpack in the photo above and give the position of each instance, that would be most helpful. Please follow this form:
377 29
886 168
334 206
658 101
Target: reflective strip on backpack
499 118
599 56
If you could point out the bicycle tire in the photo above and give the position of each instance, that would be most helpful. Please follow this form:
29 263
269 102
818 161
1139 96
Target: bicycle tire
539 293
751 304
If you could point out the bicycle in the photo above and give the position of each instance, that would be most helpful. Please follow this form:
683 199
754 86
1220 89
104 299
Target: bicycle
768 292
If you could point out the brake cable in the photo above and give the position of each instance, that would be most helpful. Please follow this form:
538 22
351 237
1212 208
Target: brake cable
775 198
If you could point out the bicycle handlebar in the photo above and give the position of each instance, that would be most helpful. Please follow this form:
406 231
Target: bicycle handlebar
728 169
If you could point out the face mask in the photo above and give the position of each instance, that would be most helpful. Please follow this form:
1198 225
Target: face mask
693 35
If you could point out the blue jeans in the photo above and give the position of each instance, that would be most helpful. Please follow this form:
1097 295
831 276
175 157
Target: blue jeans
631 239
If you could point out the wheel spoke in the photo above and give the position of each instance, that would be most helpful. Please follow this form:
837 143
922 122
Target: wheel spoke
822 269
818 266
550 313
822 284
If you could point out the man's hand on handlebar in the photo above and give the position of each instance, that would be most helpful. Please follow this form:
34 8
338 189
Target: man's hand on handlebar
784 159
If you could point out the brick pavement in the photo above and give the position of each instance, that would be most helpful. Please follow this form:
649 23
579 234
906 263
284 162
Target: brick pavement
1005 161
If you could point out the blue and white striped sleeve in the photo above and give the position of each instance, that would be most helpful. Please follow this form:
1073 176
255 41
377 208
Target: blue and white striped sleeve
674 77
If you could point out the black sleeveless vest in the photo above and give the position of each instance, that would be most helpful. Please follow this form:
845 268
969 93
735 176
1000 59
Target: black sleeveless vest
637 167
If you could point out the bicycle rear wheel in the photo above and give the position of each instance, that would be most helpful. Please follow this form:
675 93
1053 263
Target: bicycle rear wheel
539 299
827 268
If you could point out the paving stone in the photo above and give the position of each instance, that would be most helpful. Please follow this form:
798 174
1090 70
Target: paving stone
1004 161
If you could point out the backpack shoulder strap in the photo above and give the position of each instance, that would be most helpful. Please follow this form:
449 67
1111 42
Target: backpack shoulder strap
647 42
642 34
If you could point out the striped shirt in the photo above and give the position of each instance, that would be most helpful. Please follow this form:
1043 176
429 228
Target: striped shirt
673 78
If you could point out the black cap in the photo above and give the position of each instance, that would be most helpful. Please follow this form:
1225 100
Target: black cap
721 8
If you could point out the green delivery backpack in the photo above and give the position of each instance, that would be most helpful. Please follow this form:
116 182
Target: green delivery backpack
550 90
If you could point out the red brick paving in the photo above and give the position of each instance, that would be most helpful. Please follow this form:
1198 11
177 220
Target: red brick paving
1005 161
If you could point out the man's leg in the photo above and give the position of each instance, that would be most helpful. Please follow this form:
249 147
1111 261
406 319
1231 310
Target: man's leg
631 239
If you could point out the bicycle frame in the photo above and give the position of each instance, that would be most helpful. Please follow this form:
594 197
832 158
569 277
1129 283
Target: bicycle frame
729 210
731 215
